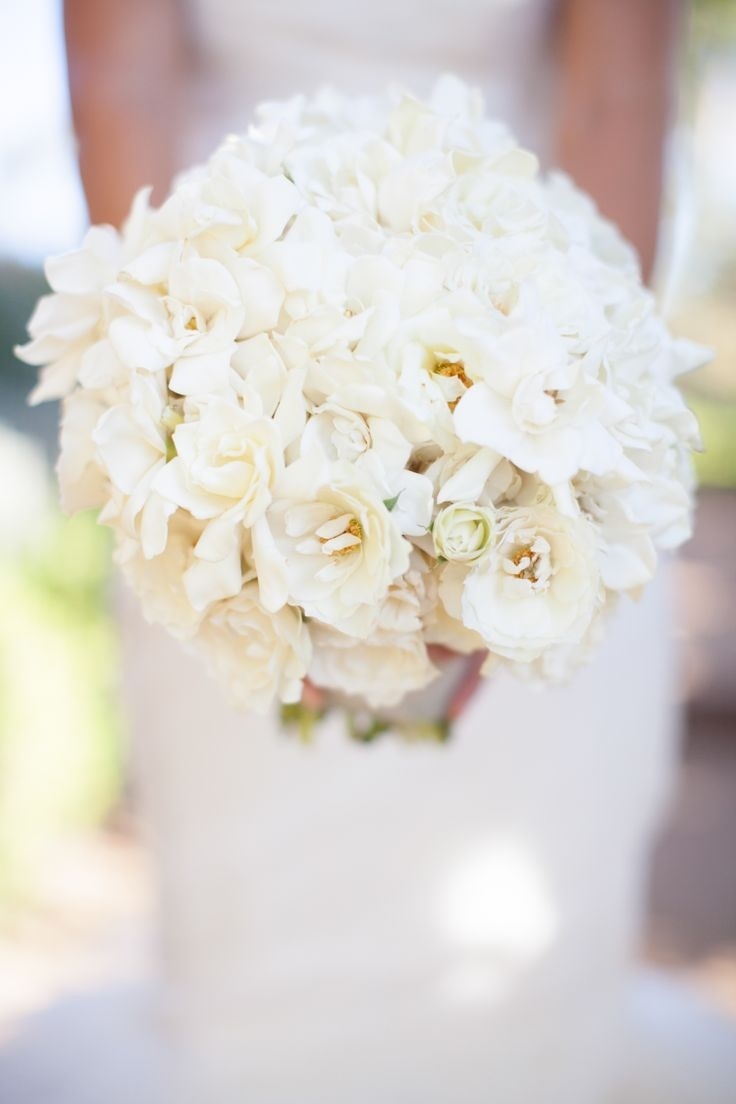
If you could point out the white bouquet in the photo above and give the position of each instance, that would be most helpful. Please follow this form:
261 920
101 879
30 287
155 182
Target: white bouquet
366 382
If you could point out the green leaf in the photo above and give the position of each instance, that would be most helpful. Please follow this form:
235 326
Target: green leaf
366 730
302 720
389 503
438 731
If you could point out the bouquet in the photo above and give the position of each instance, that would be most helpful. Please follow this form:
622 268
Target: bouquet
367 382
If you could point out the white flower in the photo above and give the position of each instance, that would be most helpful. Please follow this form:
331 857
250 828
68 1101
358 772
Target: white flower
365 386
329 545
548 414
445 624
190 327
308 262
380 451
464 473
132 439
81 479
159 582
230 202
634 519
366 371
540 587
496 205
405 493
558 663
339 434
464 532
410 598
381 670
394 661
258 655
66 324
225 461
442 628
224 471
437 356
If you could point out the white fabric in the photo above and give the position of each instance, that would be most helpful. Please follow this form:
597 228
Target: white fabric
107 1047
413 923
349 924
250 50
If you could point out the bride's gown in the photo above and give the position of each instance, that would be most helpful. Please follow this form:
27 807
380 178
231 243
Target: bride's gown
344 924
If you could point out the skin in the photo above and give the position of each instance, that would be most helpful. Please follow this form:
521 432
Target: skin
129 59
127 63
616 95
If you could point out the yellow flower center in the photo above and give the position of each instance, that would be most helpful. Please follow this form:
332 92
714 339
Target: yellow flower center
554 394
526 559
337 543
451 369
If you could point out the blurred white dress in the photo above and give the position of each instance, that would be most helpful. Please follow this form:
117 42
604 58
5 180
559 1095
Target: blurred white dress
356 924
347 924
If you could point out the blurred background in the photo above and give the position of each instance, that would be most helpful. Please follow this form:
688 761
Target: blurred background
73 882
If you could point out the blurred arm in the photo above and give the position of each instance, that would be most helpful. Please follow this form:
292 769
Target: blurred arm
617 77
126 62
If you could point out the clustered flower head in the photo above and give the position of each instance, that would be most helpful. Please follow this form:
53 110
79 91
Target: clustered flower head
366 382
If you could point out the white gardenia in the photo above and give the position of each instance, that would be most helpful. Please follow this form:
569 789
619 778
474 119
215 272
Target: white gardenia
366 382
330 546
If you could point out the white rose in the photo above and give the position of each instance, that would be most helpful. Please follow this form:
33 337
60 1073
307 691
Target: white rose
225 461
496 205
394 660
330 545
258 655
381 670
539 587
191 326
410 598
226 465
557 664
464 532
159 582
